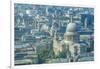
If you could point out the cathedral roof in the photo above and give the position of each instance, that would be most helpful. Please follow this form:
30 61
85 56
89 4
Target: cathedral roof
71 27
70 33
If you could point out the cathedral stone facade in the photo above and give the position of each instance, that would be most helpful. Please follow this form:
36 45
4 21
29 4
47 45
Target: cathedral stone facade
70 43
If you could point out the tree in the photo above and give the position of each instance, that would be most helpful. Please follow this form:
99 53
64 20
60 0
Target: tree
43 54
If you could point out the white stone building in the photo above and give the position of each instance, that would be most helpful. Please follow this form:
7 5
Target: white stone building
70 44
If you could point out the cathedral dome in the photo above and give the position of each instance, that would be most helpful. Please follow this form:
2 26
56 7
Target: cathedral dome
71 27
44 28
